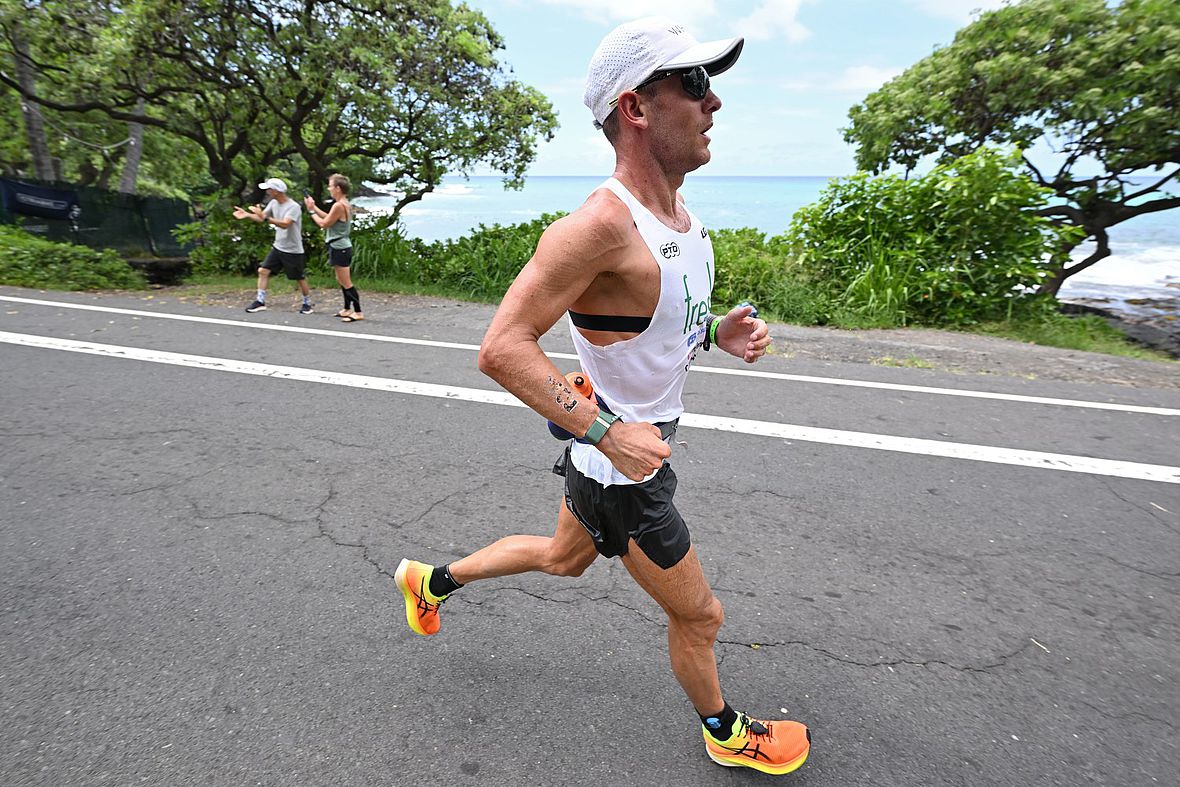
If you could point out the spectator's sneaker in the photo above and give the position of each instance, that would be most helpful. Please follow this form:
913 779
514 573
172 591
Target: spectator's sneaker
413 579
257 306
768 746
306 309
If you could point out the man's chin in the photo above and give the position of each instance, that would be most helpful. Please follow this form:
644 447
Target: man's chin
706 156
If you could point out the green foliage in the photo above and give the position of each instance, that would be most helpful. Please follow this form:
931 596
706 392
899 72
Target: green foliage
399 93
1090 80
1101 79
29 261
962 244
752 268
479 265
14 149
482 264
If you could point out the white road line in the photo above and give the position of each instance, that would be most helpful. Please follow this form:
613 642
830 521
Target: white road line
921 389
909 445
798 378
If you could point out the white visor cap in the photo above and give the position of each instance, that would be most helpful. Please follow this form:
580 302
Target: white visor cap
634 51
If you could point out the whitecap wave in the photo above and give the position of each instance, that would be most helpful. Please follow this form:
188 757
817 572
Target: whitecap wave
1132 265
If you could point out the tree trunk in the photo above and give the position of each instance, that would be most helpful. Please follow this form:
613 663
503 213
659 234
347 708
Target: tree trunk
1051 285
134 154
34 125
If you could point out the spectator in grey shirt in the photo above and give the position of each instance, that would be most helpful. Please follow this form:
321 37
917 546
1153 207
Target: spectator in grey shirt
285 215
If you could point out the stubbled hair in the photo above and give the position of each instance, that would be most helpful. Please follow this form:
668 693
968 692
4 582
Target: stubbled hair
610 126
340 180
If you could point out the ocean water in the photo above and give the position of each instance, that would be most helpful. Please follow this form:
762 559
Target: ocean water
1145 262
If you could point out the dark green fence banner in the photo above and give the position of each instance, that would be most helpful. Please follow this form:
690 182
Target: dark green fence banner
132 225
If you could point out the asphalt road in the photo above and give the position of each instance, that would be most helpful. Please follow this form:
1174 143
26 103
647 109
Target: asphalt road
196 568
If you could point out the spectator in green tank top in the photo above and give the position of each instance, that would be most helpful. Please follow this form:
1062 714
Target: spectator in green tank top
337 224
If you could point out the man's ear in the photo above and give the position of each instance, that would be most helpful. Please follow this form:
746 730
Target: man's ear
632 109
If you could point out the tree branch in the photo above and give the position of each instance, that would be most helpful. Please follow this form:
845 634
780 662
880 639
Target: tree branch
1155 186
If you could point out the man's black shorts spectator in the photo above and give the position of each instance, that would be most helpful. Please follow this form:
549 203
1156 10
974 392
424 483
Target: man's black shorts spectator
285 261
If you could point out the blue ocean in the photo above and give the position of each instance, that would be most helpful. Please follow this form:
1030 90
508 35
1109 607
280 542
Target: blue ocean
1145 263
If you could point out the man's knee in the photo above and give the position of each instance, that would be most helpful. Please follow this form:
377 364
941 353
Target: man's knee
705 620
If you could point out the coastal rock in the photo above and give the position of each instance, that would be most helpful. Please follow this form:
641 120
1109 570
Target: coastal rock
1153 322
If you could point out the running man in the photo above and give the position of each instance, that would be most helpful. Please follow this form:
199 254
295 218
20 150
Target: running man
634 269
285 215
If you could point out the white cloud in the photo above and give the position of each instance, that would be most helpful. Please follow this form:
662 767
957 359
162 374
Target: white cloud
771 19
864 79
956 10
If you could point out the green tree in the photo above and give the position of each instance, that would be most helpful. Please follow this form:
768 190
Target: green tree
1097 84
14 149
398 92
86 148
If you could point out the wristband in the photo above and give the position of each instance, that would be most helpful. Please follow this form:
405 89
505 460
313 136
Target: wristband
598 429
711 321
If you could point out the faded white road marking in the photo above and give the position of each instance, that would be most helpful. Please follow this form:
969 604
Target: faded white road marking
909 445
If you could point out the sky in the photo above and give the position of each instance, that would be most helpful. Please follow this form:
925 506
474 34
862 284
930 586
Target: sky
804 65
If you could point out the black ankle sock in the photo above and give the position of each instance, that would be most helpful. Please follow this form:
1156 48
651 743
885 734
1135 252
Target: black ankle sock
719 725
442 583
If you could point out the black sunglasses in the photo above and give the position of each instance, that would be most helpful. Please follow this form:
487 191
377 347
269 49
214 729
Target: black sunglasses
695 82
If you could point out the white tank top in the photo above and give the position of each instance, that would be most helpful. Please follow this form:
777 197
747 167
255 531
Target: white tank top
642 378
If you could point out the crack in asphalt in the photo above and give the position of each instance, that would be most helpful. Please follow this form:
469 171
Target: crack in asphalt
174 482
443 499
1137 569
1105 711
985 668
327 534
1155 517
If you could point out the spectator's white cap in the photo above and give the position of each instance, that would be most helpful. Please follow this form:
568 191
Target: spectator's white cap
634 51
273 183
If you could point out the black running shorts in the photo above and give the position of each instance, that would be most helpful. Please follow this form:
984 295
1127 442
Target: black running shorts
614 514
340 258
288 262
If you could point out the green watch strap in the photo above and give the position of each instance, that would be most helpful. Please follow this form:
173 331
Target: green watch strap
598 429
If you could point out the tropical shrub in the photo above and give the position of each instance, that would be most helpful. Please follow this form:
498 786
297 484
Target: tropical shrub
751 268
29 261
962 244
480 265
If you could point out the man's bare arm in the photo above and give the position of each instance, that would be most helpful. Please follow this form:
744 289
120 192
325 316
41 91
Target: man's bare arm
569 257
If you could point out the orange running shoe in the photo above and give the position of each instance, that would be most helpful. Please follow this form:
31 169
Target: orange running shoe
413 578
768 746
